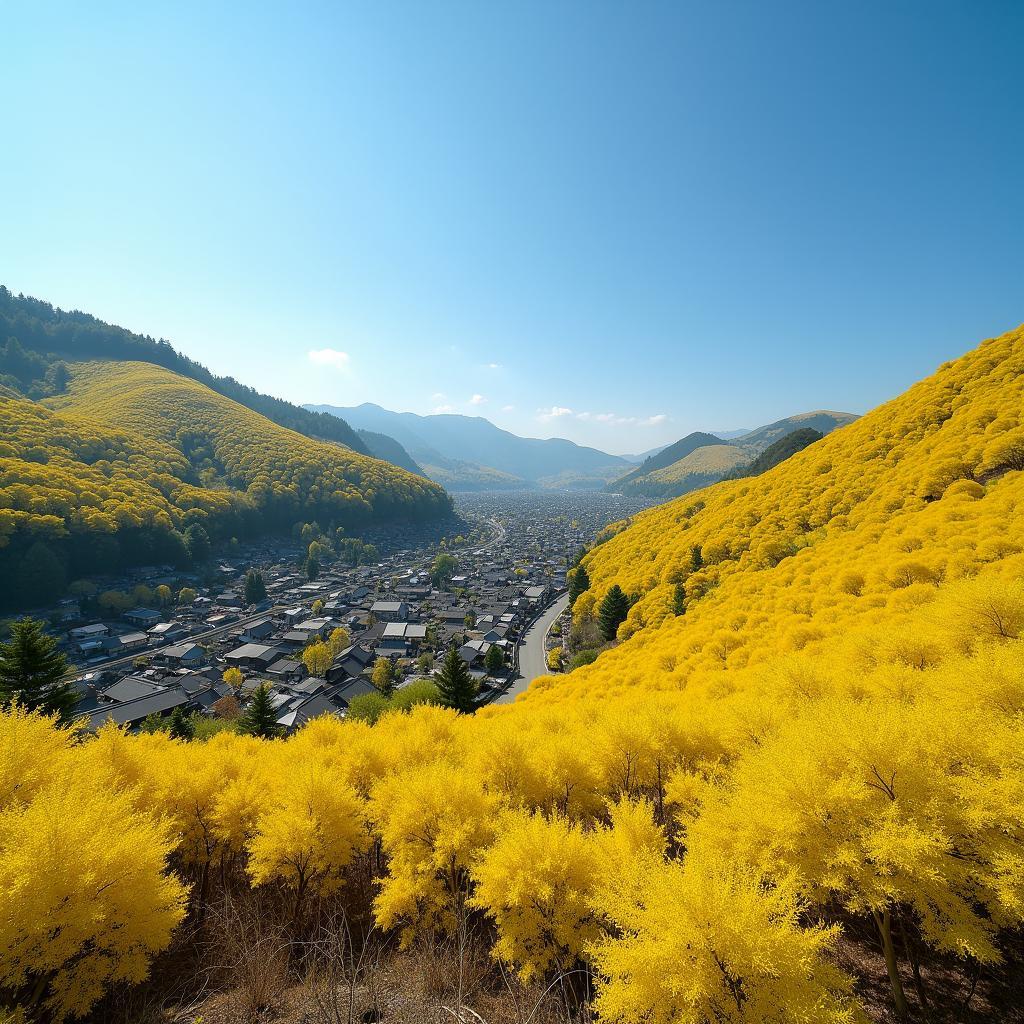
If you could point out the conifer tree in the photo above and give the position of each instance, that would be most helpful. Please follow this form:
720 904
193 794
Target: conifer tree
579 583
613 611
31 668
255 588
679 600
455 685
260 718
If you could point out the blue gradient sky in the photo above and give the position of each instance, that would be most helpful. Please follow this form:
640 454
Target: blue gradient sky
610 222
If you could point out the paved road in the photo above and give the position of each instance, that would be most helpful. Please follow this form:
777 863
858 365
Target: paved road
532 658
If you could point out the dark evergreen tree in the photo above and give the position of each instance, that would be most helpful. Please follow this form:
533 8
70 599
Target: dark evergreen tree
494 659
312 567
456 687
679 600
255 588
181 727
260 718
197 542
579 583
31 668
613 611
696 557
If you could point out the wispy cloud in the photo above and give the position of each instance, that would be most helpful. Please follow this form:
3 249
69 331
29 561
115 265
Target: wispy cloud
439 396
439 410
331 357
508 408
554 413
609 418
495 366
477 400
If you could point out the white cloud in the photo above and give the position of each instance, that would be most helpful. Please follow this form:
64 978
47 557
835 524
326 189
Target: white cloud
477 400
329 357
439 410
438 396
495 366
608 418
508 408
554 413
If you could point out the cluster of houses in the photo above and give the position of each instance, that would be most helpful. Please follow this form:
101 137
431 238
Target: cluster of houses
163 662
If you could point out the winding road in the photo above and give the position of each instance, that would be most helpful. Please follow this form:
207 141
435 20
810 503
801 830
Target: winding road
532 657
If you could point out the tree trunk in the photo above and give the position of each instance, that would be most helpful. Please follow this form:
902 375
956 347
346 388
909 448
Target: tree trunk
884 924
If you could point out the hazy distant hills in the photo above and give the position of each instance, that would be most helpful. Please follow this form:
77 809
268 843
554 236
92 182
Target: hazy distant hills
701 458
471 453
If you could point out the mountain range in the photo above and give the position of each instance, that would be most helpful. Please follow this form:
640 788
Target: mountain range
471 453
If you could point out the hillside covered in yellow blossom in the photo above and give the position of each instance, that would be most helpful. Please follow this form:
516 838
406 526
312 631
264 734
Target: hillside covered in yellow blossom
806 788
131 455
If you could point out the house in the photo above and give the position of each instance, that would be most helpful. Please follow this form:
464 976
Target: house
319 626
295 615
185 655
390 611
353 688
536 595
145 618
402 636
352 661
259 630
131 713
126 643
304 709
252 656
473 652
90 632
168 632
129 688
286 669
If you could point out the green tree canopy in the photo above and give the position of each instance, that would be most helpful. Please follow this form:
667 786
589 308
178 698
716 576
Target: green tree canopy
31 668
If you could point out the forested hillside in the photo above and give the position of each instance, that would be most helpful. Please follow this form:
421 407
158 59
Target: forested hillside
130 456
665 457
792 793
36 338
701 459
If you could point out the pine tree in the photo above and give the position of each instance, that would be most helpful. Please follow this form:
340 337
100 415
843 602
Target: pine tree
260 718
613 611
679 600
579 583
31 668
255 588
455 685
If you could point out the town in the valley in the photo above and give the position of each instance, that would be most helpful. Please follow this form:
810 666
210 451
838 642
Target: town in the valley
503 586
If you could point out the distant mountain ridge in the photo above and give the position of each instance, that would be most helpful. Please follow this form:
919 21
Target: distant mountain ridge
465 451
702 458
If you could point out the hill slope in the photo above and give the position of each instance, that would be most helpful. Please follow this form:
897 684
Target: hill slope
48 335
664 457
701 467
380 446
133 454
477 441
677 469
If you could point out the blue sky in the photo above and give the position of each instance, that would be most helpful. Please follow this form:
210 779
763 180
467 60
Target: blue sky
615 222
